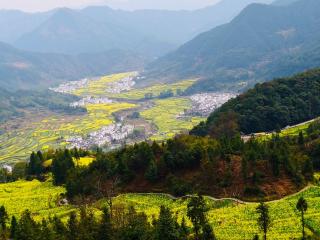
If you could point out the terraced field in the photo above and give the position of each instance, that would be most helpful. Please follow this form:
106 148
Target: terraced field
167 116
97 88
236 221
231 220
40 198
51 131
289 131
155 90
17 144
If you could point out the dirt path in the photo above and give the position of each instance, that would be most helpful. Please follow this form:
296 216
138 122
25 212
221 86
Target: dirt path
228 199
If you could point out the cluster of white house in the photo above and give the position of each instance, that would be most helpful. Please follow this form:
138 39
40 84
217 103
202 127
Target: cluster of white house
70 87
90 100
124 84
205 103
111 134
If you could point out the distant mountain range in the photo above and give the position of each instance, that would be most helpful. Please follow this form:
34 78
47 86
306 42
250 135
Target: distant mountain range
27 70
95 29
262 42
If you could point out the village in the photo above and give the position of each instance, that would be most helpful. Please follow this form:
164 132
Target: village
110 135
205 103
91 100
70 87
123 85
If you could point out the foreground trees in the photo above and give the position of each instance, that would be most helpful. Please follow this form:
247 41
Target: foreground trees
127 224
302 206
264 221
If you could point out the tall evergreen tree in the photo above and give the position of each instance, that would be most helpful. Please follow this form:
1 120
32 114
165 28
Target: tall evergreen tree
302 206
61 165
165 226
27 228
264 221
196 213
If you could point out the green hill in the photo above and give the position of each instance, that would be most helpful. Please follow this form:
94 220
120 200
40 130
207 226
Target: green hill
272 105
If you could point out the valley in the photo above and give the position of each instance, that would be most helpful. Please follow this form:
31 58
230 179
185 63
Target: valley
160 120
117 114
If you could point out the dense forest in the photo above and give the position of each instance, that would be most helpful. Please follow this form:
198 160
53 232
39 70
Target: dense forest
223 166
269 106
165 167
14 104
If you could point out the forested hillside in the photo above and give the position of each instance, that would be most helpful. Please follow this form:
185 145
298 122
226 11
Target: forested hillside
16 104
262 42
270 106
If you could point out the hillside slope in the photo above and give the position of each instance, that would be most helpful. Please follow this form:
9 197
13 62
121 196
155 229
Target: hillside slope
263 42
270 106
28 70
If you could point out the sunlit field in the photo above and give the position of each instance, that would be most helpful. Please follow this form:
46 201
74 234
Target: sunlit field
155 90
98 87
51 131
40 198
232 220
167 116
17 144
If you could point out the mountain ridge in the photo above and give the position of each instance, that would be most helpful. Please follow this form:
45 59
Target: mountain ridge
262 42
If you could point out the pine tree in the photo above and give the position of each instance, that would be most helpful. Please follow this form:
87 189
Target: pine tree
27 228
302 206
61 165
35 165
152 172
196 213
165 226
264 221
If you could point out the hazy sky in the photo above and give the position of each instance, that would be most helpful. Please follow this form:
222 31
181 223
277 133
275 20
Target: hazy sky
42 5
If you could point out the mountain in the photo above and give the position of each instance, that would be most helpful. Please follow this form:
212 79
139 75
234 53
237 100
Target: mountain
174 27
93 29
14 24
29 70
270 106
263 42
71 32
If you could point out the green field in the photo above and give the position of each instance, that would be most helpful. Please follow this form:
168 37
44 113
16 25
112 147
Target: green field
40 198
136 94
51 131
17 144
290 131
230 220
165 116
